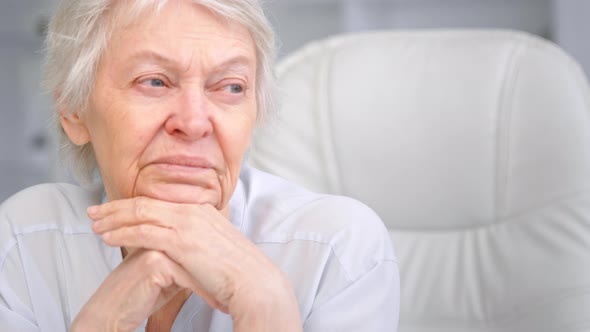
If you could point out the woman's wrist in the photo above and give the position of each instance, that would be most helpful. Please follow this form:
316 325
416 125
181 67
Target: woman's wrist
271 308
85 322
93 319
94 324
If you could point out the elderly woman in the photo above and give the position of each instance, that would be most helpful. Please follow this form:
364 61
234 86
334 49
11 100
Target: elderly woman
159 99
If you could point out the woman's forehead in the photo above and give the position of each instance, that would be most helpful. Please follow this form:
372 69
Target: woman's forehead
182 32
130 12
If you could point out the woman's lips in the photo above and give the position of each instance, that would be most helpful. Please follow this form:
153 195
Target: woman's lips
184 161
177 168
181 169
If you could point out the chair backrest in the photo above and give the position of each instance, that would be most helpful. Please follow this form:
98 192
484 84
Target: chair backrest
474 148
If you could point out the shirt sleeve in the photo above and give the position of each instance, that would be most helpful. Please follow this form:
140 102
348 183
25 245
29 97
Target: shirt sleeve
12 321
370 303
15 313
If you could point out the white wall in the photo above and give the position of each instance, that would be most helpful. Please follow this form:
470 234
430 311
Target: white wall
572 29
297 23
25 158
300 21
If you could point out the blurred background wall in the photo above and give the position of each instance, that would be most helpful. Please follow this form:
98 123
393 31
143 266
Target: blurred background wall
27 145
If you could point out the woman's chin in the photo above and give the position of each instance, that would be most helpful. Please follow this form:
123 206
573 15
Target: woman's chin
179 193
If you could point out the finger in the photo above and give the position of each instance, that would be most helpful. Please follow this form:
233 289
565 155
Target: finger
149 237
140 210
172 273
99 211
142 236
158 239
102 210
183 279
174 278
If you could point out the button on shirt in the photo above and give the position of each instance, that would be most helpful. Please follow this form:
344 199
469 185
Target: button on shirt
335 250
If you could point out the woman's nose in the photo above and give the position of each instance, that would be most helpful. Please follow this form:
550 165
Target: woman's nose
191 117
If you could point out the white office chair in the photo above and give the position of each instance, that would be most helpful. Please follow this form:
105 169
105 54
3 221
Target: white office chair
473 147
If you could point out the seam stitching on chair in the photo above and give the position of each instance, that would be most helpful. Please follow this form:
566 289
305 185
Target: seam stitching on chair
503 129
329 154
499 320
508 220
506 110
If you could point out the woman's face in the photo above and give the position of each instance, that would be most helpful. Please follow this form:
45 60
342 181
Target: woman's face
174 107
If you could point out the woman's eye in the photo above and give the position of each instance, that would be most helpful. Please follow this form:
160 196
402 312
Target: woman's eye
234 88
153 82
154 86
157 83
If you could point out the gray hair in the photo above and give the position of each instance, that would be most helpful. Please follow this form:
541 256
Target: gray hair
77 38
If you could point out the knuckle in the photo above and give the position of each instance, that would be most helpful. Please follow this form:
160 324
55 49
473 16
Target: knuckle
208 208
140 206
152 259
177 250
143 231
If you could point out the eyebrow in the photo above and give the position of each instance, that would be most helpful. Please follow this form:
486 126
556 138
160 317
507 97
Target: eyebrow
238 60
152 55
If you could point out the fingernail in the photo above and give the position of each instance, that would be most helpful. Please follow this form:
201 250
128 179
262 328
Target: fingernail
92 210
106 236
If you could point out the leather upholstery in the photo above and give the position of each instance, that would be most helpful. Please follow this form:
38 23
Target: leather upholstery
472 146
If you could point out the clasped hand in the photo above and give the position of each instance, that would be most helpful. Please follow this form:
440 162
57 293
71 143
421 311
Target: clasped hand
184 246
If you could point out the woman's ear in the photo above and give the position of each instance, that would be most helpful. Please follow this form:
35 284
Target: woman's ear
74 127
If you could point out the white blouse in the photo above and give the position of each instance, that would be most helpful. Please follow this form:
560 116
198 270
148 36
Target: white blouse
335 250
